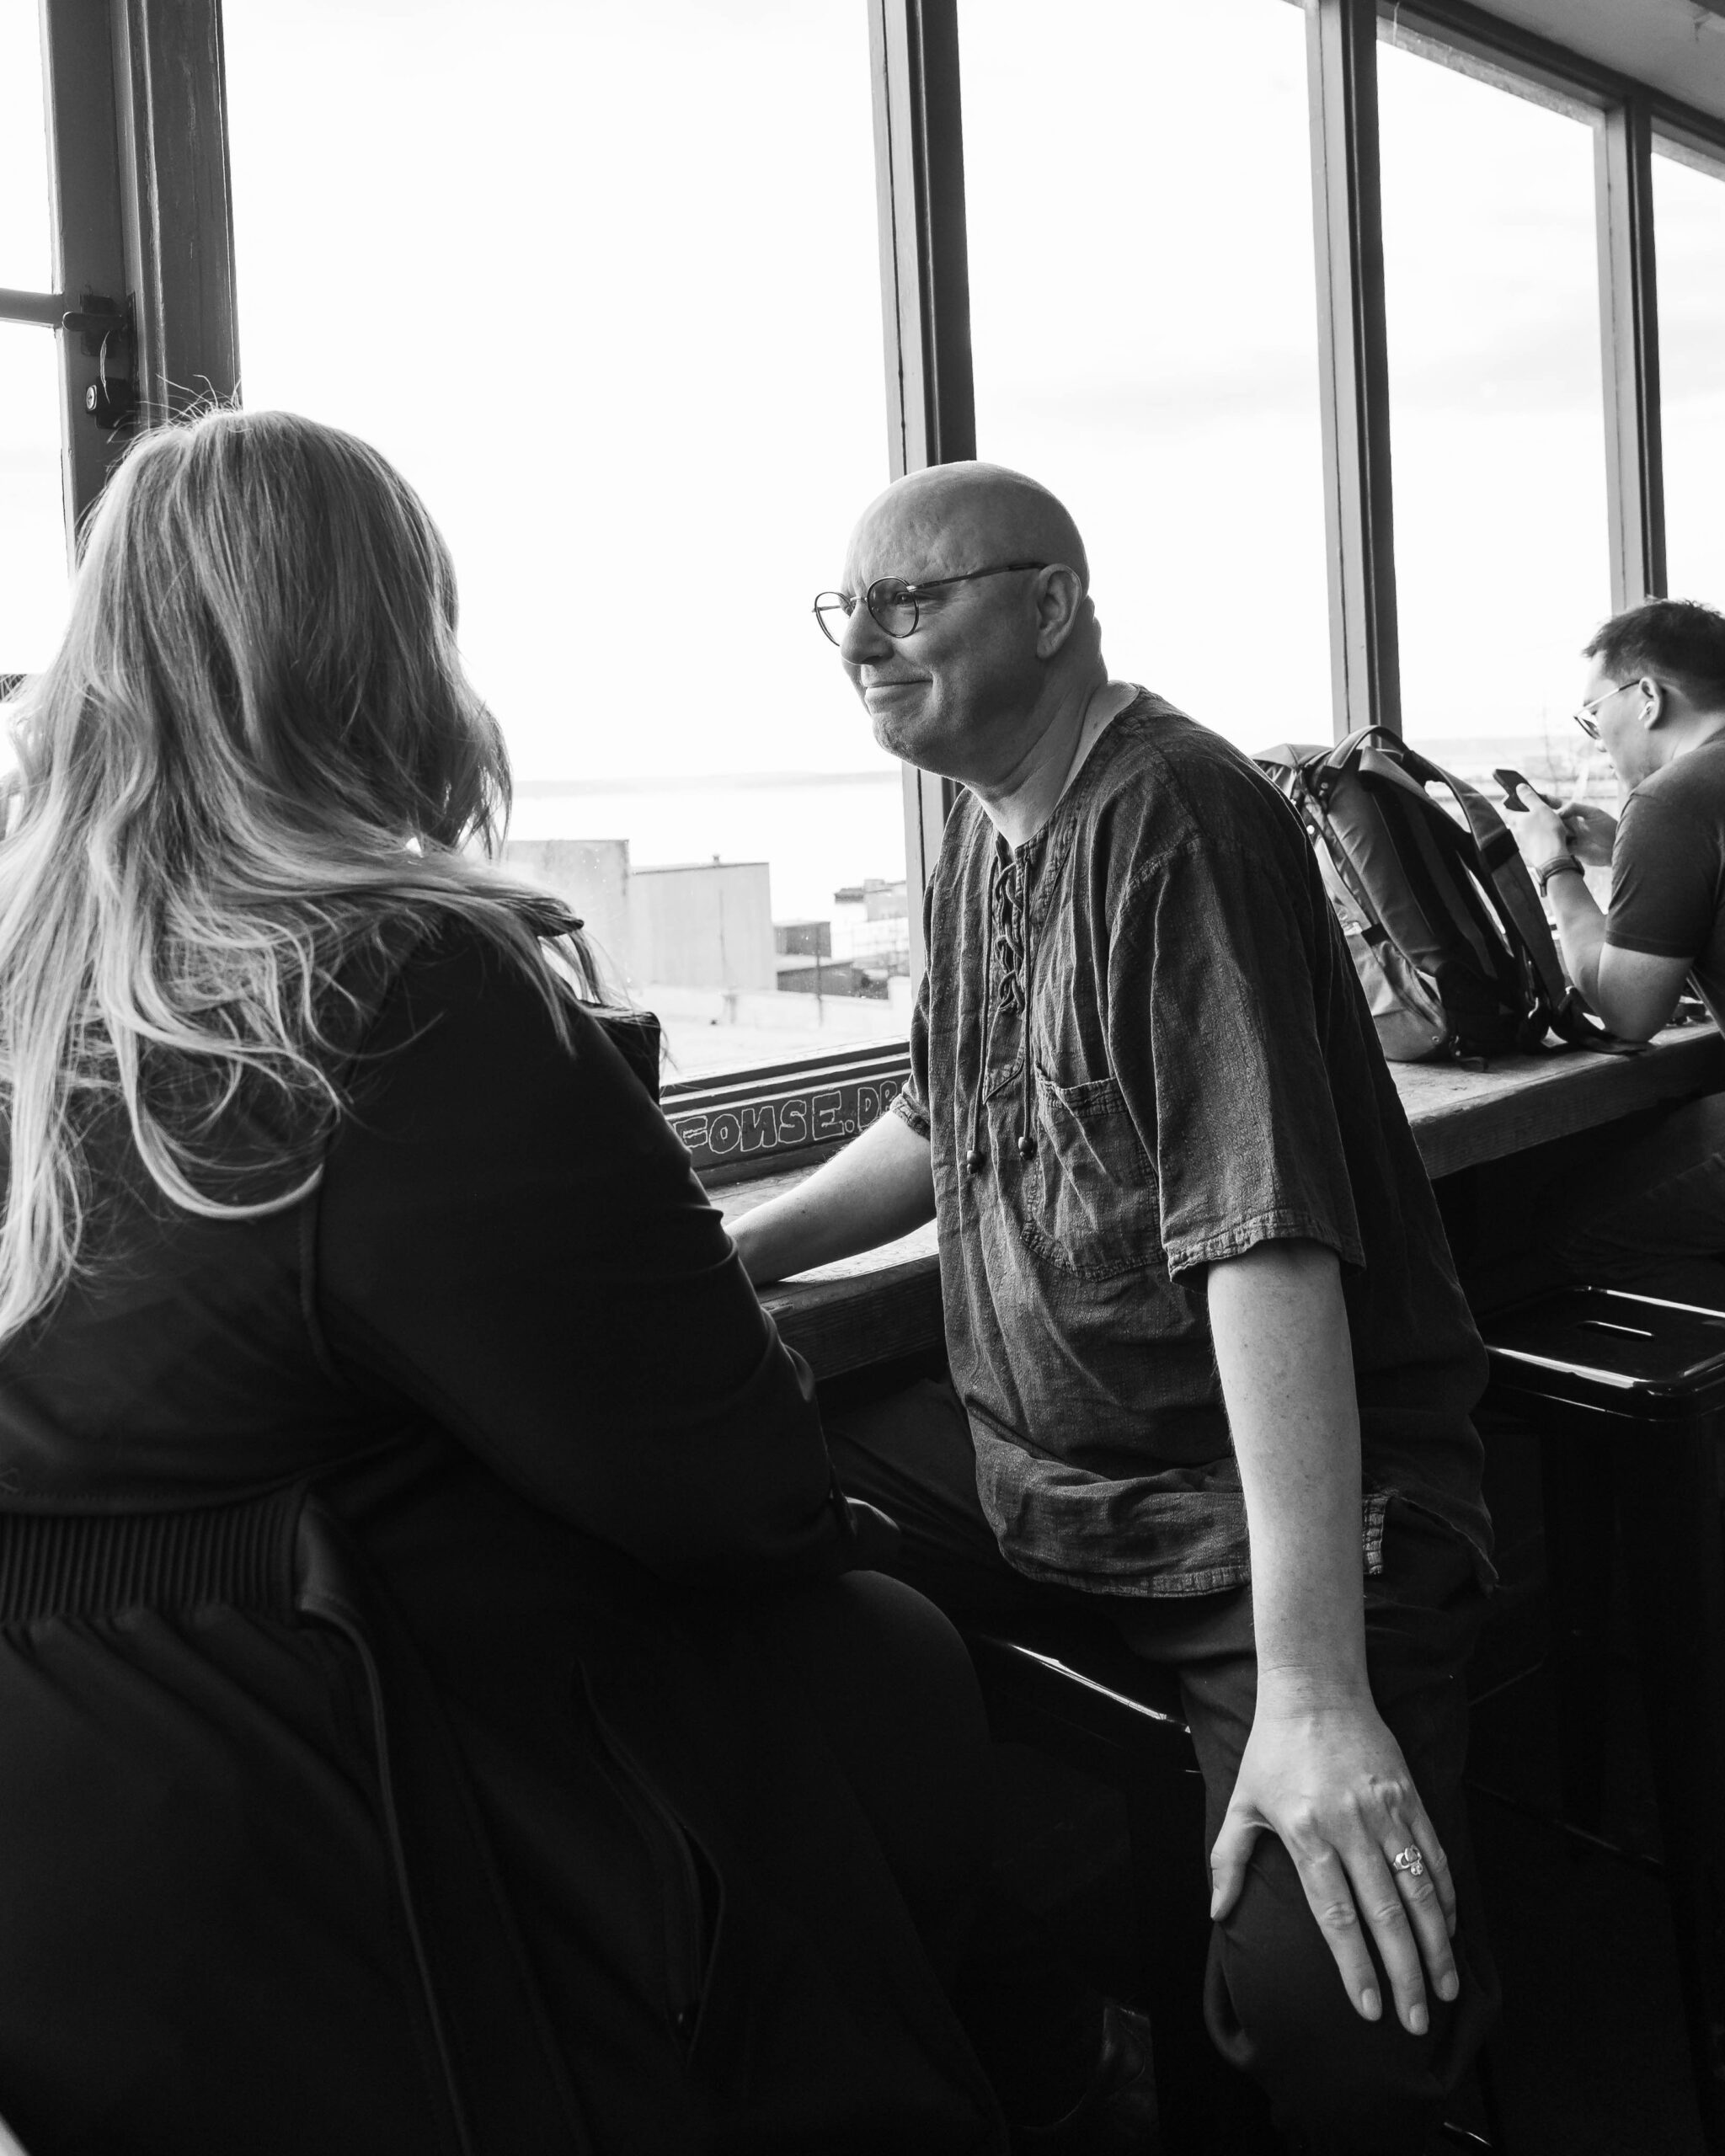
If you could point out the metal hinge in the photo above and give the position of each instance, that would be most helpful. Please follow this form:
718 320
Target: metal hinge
112 399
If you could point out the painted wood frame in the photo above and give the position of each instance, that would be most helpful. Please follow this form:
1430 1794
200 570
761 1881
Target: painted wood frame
1629 327
171 107
924 305
1353 364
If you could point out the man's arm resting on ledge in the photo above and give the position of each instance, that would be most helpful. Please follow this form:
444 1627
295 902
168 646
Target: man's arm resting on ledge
1320 1768
1634 992
879 1187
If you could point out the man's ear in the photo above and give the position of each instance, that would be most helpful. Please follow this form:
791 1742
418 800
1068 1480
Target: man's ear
1653 707
1060 606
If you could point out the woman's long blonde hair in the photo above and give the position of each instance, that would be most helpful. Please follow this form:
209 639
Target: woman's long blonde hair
254 751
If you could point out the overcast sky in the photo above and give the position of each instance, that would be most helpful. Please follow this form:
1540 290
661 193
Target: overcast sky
603 281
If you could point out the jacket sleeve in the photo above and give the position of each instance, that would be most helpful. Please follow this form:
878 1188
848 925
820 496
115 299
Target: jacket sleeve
509 1238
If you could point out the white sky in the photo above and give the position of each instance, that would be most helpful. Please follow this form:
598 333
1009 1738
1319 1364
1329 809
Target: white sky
1497 433
603 281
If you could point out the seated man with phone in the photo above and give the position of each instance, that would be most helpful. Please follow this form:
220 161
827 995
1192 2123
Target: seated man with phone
1654 699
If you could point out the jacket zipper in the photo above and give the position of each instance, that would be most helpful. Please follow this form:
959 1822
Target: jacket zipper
668 1843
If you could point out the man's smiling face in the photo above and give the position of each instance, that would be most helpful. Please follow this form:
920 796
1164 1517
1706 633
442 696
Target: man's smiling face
933 696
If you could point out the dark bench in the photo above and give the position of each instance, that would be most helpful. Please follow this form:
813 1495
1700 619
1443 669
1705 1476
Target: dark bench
1627 1389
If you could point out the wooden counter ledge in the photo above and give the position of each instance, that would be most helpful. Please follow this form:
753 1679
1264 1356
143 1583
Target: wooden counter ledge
886 1302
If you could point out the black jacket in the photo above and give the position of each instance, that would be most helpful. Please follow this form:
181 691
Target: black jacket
509 1346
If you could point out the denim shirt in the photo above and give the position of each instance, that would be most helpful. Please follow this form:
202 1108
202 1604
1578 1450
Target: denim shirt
1141 1047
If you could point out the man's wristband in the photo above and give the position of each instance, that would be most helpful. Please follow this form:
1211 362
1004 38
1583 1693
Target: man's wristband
1565 864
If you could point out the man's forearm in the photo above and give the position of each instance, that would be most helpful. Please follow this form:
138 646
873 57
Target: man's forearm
1282 1347
879 1187
1581 932
1321 1767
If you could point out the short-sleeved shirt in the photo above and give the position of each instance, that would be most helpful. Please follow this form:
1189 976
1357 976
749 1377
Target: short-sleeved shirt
1668 868
1202 1075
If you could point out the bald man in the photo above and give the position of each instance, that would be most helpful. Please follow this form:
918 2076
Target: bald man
1211 1371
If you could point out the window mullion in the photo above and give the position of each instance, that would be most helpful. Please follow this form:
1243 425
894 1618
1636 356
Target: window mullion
919 160
177 204
1629 326
89 249
1353 364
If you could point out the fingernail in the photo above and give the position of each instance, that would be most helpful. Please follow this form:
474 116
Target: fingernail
1449 1986
1416 2020
1370 2005
1215 1902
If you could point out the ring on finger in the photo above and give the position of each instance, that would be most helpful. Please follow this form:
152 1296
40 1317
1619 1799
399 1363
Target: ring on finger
1412 1860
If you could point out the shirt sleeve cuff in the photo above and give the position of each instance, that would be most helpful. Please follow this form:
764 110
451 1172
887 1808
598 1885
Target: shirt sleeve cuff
1189 1254
1650 947
906 1110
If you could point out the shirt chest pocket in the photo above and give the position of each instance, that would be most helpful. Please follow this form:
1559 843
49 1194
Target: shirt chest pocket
1090 1202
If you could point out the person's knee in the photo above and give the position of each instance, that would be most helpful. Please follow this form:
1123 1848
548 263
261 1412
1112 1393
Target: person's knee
891 1684
1278 2008
920 1661
888 1674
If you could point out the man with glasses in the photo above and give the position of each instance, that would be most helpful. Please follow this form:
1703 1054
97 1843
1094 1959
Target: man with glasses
1654 699
1202 1326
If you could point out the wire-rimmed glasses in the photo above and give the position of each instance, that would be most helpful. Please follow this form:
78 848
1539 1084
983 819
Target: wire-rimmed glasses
892 600
1584 718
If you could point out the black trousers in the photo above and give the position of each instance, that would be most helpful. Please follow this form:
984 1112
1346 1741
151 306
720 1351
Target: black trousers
1275 2003
892 1687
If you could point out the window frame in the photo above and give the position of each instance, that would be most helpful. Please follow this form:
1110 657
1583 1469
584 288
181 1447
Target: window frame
140 218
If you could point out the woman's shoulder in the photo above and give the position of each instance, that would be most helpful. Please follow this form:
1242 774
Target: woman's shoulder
457 1005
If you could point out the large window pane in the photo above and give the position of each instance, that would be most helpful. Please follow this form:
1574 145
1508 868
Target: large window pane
1689 211
1144 328
1503 565
602 281
32 569
25 262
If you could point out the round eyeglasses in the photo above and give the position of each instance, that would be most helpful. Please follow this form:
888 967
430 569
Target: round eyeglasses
892 602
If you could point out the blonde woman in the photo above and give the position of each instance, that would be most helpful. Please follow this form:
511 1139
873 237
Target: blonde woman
431 1717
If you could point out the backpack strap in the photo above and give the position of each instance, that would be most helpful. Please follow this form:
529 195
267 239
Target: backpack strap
1513 888
1301 775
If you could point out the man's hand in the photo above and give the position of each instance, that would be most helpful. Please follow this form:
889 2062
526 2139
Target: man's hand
1592 833
1330 1780
1541 834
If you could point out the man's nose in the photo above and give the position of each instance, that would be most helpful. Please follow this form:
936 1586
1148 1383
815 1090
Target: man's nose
863 637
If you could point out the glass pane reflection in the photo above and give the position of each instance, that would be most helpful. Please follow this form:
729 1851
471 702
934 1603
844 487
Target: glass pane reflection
1689 210
647 410
1144 331
1503 564
33 575
25 255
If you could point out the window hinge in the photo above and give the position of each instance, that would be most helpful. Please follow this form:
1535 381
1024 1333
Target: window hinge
112 399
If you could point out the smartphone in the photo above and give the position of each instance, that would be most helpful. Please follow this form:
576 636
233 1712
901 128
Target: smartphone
1514 783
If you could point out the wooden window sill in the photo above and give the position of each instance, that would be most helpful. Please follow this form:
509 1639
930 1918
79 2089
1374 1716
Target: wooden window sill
885 1303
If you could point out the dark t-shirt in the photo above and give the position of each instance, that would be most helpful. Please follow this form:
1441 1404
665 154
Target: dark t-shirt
1203 1076
1668 868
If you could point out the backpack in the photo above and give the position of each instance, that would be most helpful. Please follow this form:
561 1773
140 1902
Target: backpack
1445 929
